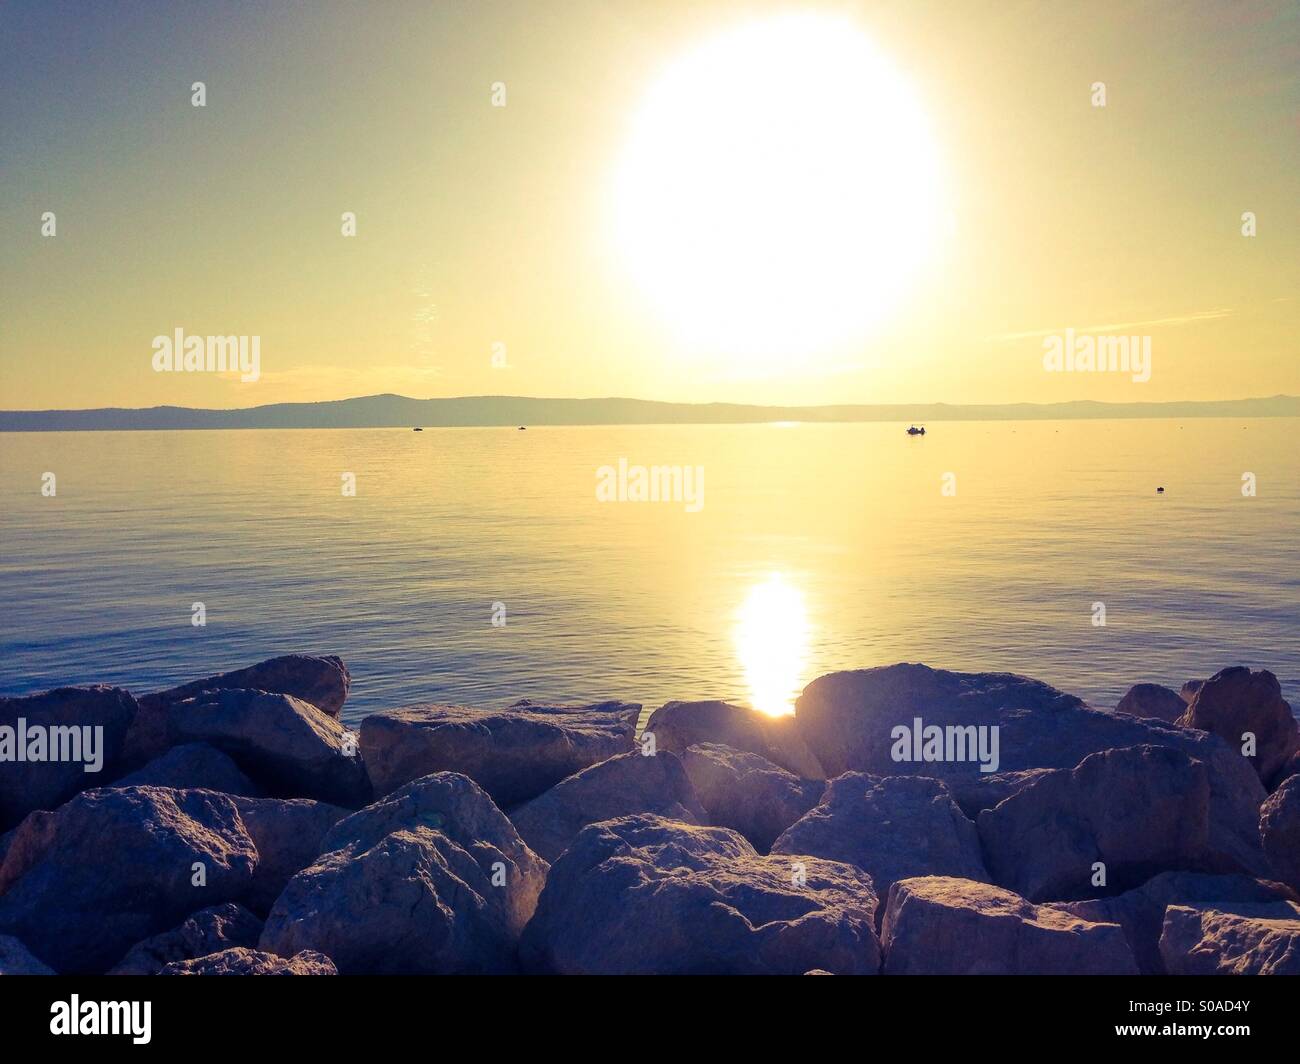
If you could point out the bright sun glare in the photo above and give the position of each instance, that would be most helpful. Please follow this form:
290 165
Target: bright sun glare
779 190
771 638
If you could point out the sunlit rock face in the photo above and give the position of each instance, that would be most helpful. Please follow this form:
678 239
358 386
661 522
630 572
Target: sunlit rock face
894 828
388 909
321 681
288 747
1239 939
1141 912
432 879
1243 706
207 931
748 793
622 786
1132 812
1152 700
240 960
514 754
678 725
938 925
849 720
645 895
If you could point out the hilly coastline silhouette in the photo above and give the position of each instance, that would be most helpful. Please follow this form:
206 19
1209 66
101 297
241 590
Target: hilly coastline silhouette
396 411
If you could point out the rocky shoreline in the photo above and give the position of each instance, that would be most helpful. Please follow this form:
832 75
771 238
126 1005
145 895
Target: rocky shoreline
906 820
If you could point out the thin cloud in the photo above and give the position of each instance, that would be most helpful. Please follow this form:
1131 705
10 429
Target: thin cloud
319 380
1116 326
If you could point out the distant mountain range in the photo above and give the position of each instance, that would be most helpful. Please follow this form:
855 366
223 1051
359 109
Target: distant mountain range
392 411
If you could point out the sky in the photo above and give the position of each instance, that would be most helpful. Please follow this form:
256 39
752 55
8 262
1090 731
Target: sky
490 256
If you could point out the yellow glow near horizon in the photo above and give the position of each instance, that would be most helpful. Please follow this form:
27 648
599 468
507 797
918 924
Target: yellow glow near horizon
771 638
521 250
779 190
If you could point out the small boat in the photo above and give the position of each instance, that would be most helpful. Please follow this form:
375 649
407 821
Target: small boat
1160 491
523 428
417 430
912 430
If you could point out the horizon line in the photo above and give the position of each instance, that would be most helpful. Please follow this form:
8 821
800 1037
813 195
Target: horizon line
389 410
499 396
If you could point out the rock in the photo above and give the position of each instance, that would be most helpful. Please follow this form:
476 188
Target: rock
192 765
1188 691
414 903
747 793
321 681
937 925
459 808
896 827
1291 768
16 960
848 718
289 835
115 866
448 802
1236 701
242 961
976 793
432 879
287 747
1140 811
46 784
622 786
514 754
1235 797
677 725
1141 912
1152 700
645 895
1243 939
207 931
1279 828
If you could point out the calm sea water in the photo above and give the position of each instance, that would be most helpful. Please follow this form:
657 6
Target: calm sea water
818 547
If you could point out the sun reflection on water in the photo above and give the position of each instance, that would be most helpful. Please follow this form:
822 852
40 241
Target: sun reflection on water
771 638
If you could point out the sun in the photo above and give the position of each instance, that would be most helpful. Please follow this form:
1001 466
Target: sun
779 190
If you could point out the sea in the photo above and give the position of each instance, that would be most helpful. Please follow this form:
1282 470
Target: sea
647 563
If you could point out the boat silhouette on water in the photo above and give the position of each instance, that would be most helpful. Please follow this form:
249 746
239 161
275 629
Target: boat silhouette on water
912 430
